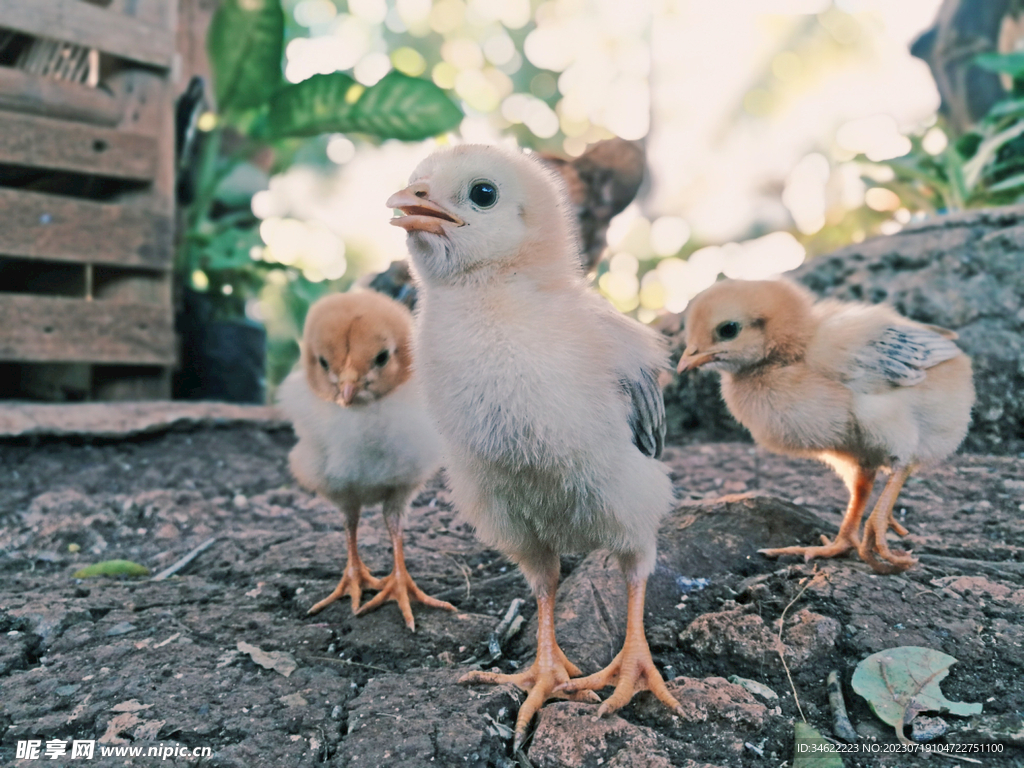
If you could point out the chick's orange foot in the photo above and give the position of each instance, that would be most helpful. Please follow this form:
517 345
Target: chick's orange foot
632 670
550 670
400 587
541 681
356 577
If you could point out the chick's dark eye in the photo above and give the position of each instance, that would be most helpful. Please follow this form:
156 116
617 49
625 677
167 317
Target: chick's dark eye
323 362
382 359
729 330
483 194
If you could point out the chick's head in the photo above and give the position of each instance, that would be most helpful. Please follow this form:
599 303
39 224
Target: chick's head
473 207
356 347
736 325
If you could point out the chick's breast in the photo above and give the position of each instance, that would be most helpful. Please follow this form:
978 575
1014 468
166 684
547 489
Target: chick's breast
531 404
389 443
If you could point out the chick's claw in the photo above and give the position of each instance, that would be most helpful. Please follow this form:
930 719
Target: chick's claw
356 576
399 586
631 671
542 682
829 548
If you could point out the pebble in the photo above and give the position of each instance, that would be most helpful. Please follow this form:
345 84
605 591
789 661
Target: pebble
121 628
240 501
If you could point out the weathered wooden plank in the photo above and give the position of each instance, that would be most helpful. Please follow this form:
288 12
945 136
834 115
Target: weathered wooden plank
65 229
45 329
58 145
38 95
90 25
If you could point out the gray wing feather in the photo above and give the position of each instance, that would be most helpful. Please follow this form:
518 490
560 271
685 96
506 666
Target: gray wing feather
646 413
902 353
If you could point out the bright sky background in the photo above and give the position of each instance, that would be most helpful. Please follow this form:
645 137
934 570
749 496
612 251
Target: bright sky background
752 110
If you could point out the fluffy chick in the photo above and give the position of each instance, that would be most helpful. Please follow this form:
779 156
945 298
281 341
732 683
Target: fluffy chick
364 433
545 395
600 184
859 387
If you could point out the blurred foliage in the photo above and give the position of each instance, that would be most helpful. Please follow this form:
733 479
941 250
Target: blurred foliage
262 126
982 167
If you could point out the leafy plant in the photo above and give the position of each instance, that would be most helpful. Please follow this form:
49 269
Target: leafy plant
900 683
261 124
983 167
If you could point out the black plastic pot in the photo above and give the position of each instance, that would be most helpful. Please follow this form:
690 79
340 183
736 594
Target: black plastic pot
220 359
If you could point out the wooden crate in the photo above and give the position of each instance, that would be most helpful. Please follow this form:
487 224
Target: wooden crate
86 198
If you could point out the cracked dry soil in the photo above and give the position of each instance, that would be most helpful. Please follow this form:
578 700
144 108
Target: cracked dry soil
143 663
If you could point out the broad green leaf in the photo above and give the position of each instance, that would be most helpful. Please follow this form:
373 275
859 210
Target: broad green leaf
900 683
810 750
314 106
112 568
245 44
1010 63
398 107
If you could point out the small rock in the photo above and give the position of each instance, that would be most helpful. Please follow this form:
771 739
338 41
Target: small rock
713 698
744 636
927 728
567 737
756 688
121 628
240 502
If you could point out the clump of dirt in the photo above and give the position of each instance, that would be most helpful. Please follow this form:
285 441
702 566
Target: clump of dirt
141 663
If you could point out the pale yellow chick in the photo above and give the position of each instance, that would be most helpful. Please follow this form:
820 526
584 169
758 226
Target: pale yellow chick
546 396
364 432
857 386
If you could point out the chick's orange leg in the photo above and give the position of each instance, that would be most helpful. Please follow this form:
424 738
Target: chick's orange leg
356 575
873 548
849 531
549 670
632 670
399 585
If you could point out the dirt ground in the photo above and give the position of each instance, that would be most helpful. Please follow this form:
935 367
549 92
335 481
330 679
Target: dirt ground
134 662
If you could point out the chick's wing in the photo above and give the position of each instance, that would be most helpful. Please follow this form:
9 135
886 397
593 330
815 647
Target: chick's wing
647 412
902 353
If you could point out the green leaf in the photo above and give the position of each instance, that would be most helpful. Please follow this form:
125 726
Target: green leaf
245 44
397 107
900 683
230 249
974 168
1010 63
1011 183
810 750
112 568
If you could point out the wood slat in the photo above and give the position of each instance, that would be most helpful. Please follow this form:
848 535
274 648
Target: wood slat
45 329
44 143
65 229
37 95
85 24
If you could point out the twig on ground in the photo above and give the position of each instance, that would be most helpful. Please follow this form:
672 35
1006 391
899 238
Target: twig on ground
465 574
780 646
496 581
841 725
497 637
173 569
348 662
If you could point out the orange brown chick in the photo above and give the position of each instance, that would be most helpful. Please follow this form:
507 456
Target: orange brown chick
857 386
364 433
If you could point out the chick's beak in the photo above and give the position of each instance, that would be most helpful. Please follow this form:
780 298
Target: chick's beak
348 394
421 213
692 358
